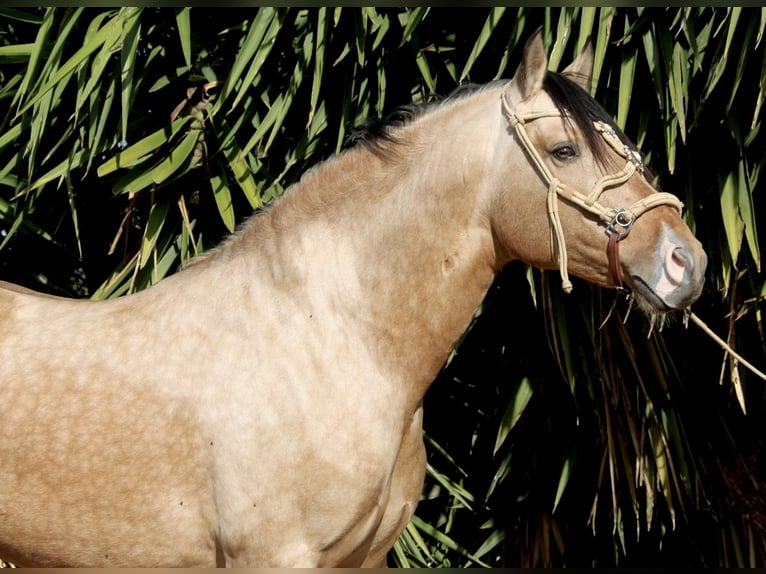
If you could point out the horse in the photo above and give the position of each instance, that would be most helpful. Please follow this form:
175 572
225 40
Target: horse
263 406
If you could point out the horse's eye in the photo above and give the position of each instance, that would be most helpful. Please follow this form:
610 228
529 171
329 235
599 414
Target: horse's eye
565 152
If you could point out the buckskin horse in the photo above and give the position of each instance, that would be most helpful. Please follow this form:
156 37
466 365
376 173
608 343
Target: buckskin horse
263 407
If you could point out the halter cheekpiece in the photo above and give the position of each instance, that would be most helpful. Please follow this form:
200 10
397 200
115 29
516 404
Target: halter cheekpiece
617 221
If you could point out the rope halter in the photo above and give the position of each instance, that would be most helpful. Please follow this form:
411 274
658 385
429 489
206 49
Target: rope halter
617 221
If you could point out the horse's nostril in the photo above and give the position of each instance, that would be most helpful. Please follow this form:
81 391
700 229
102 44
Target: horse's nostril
681 257
676 262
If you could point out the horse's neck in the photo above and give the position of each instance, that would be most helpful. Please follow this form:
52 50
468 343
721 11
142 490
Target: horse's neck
397 246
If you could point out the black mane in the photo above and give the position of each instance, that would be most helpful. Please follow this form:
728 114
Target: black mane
377 134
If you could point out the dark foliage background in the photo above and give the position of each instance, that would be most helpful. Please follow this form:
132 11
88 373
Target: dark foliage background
133 138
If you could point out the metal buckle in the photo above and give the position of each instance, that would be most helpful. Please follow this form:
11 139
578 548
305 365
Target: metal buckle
620 224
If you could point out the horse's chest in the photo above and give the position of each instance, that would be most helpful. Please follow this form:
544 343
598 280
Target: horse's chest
315 496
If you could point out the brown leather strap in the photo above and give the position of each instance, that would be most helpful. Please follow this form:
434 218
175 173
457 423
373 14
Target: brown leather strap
613 255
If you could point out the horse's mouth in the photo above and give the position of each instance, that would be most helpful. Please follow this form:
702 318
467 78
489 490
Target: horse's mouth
647 299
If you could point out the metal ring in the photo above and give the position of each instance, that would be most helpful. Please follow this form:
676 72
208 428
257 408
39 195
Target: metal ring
620 223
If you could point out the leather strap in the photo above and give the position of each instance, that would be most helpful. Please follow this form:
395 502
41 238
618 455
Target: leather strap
613 255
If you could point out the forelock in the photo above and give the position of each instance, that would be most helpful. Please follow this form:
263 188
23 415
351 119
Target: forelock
583 110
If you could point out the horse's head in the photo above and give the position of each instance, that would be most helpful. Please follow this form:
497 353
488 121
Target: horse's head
603 220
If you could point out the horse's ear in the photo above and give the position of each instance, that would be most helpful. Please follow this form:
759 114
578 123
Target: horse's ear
580 71
528 79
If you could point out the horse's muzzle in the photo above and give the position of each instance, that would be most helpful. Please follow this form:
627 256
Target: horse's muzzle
678 275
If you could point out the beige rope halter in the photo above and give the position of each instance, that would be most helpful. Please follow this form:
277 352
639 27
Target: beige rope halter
618 221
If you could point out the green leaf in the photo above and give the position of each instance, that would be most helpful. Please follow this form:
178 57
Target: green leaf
490 25
20 15
135 180
36 56
566 472
142 149
732 222
415 546
176 158
360 21
605 16
495 538
59 172
127 70
8 89
563 32
117 282
410 19
502 472
256 48
73 211
653 61
587 19
513 412
676 58
100 61
101 105
671 133
662 468
425 71
239 167
11 135
457 491
281 107
15 53
154 225
627 73
761 28
183 23
748 212
759 100
383 24
723 58
105 33
741 63
323 26
445 539
222 194
38 126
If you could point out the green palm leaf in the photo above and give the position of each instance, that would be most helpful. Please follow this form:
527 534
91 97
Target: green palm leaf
552 440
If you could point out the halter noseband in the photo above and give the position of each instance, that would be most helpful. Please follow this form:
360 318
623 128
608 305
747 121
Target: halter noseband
618 221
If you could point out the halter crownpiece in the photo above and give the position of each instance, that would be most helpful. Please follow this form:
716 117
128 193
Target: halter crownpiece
617 221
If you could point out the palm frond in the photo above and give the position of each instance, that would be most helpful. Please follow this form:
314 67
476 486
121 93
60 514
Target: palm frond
132 139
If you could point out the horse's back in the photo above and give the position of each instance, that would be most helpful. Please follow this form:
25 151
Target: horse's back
13 288
83 446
